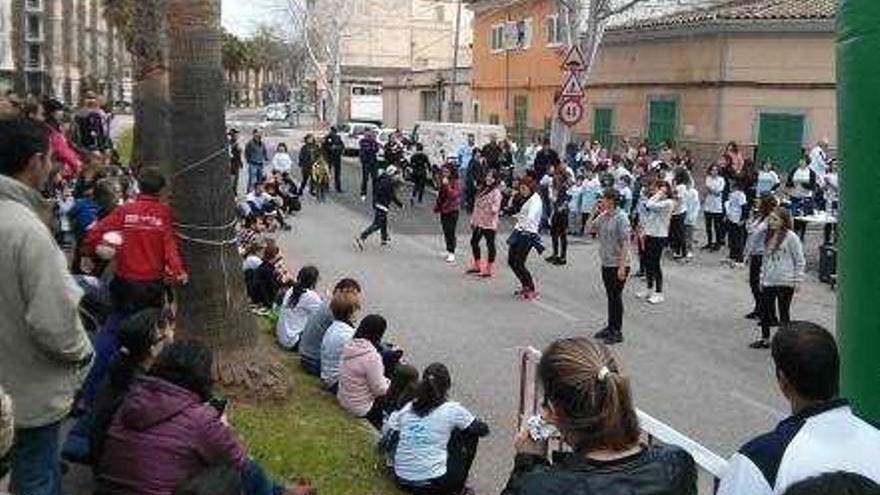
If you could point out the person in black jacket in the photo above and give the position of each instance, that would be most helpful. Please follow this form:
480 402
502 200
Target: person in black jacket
384 194
588 400
333 148
421 170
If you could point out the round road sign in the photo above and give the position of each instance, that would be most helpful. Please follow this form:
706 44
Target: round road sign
571 112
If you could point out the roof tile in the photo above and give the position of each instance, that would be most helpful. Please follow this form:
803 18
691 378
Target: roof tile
740 10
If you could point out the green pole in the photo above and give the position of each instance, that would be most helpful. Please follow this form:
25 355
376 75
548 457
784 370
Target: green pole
858 96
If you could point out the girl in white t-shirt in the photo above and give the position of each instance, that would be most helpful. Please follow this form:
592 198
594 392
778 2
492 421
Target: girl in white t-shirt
436 438
526 236
299 304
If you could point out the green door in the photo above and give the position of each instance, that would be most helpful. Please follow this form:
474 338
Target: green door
520 118
602 119
780 139
662 122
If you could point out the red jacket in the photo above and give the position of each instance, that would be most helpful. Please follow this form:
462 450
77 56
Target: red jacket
448 198
149 250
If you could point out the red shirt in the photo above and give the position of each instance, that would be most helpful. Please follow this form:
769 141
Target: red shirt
149 250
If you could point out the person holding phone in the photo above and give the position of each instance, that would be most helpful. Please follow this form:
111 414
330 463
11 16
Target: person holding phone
611 227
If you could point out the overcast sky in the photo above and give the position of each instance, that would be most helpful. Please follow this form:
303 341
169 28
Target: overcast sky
243 16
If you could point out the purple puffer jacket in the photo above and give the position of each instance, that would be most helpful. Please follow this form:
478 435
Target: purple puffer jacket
161 436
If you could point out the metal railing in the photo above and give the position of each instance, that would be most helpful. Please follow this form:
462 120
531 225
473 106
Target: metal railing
710 465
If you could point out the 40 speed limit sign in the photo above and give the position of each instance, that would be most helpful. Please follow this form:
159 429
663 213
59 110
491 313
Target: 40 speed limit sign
571 111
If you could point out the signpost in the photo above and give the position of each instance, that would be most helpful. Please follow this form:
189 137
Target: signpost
571 107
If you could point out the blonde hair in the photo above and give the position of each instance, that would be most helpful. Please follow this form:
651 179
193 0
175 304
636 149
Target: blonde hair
591 398
345 304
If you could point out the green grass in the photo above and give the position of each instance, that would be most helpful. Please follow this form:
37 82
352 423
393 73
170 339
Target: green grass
310 435
124 144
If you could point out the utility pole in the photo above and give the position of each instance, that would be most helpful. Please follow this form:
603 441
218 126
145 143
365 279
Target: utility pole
453 116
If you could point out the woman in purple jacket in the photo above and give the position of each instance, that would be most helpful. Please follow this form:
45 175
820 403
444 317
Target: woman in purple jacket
170 429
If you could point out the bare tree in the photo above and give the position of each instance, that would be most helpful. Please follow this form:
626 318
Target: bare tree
587 21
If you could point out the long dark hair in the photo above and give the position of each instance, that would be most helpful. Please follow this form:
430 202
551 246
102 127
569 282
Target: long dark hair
372 328
306 279
137 335
188 365
433 389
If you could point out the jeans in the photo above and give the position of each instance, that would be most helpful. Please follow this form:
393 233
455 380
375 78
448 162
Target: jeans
517 255
714 222
418 192
559 233
380 223
36 461
477 235
688 238
755 262
736 238
368 175
336 168
449 221
772 297
653 253
614 292
255 175
255 481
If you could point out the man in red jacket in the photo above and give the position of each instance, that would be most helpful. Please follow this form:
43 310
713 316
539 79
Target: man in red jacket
149 256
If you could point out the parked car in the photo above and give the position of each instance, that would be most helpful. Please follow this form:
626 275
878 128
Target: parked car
277 112
443 139
351 133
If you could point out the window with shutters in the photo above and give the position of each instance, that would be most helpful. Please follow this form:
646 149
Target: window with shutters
603 129
662 121
780 139
520 118
555 30
496 41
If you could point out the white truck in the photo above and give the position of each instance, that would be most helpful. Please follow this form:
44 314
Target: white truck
442 140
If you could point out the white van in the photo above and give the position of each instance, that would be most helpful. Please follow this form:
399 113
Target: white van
442 140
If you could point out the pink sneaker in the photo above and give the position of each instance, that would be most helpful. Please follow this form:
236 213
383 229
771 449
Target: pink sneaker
530 295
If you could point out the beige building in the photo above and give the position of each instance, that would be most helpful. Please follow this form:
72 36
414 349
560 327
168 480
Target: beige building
760 72
425 95
57 47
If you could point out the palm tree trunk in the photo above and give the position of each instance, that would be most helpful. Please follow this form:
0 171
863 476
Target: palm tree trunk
213 308
151 105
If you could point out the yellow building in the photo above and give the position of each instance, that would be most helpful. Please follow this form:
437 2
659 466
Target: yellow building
760 72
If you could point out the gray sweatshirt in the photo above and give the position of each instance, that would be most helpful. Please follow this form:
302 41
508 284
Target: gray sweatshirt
784 266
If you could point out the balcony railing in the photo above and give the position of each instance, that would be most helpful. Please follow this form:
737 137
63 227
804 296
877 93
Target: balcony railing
710 465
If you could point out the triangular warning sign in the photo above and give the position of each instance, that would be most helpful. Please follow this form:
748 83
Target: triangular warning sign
574 59
572 87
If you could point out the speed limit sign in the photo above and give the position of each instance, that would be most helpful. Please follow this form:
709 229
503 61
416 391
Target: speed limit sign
571 111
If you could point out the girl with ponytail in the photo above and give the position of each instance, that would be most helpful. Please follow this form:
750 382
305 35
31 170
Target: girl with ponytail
437 438
588 399
299 304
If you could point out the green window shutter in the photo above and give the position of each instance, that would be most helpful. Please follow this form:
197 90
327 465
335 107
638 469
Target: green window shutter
602 122
780 139
662 122
520 118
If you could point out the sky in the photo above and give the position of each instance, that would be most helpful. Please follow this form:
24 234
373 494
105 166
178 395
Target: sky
242 17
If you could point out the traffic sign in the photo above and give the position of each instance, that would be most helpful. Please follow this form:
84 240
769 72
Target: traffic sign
574 59
572 87
571 111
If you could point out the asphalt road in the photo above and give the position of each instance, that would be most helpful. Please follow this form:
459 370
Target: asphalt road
687 359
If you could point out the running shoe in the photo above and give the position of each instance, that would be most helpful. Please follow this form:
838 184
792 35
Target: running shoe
656 298
644 294
752 316
530 295
450 258
359 243
601 334
551 259
613 338
760 344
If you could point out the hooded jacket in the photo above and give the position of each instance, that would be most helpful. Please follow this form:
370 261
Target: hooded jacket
486 209
44 351
161 436
361 377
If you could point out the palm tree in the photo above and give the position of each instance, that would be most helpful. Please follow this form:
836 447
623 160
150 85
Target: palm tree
212 305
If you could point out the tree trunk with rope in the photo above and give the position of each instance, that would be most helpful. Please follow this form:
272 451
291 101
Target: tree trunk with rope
212 306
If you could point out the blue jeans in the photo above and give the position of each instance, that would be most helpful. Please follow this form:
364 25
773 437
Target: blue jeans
255 481
255 174
36 461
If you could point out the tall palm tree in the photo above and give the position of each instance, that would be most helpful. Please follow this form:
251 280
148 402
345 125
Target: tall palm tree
212 305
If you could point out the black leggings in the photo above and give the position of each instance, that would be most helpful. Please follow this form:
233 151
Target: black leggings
461 449
614 292
755 262
449 221
653 253
517 255
380 223
676 235
774 296
559 233
477 234
736 239
418 192
714 224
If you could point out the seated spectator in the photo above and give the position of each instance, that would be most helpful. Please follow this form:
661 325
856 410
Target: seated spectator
263 203
363 386
149 255
822 435
436 438
316 327
588 400
344 307
168 430
299 304
839 483
404 388
251 234
269 277
7 433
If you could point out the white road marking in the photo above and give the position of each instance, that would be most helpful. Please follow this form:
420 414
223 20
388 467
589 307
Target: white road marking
556 311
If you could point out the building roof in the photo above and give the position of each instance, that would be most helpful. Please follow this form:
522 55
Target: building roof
738 11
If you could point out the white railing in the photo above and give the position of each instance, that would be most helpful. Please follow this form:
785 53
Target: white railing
710 465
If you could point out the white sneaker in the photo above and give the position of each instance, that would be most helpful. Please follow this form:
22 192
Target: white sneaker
690 256
363 197
450 258
643 294
656 298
